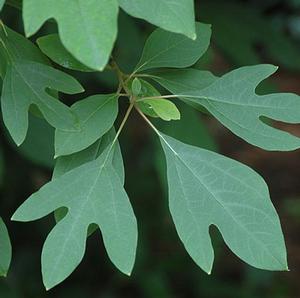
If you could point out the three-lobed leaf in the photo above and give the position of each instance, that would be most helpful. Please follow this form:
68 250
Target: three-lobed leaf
233 101
96 116
87 29
171 15
26 84
5 249
167 49
93 194
27 80
206 189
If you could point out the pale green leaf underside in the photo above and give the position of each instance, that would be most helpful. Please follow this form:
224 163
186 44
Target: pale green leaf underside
52 47
93 193
5 249
172 15
233 101
26 84
167 49
96 116
87 29
206 189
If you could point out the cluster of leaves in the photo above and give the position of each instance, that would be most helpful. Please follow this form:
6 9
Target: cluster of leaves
87 190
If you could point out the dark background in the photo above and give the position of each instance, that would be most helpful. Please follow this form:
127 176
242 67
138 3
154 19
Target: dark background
244 33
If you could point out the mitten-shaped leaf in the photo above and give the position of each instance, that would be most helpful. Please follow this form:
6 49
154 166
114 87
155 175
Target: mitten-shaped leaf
233 101
206 189
172 15
5 249
166 49
93 193
87 29
96 116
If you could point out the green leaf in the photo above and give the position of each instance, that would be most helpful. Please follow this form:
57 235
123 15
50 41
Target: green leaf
14 46
233 101
172 15
166 49
67 163
136 87
157 108
189 79
163 108
27 78
206 189
26 84
52 47
93 193
1 4
96 116
88 29
5 249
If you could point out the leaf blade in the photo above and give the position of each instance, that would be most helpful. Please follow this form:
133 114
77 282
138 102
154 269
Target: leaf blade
90 42
163 48
96 116
176 16
5 249
93 193
207 188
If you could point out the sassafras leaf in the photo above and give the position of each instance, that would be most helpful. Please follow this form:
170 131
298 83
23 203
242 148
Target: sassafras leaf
93 194
206 188
96 116
172 15
167 49
87 29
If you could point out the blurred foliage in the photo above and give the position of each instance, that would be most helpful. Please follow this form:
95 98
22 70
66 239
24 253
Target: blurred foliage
244 33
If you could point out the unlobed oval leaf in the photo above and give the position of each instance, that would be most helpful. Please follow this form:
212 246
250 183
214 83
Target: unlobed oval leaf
96 115
88 29
166 49
172 15
205 189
